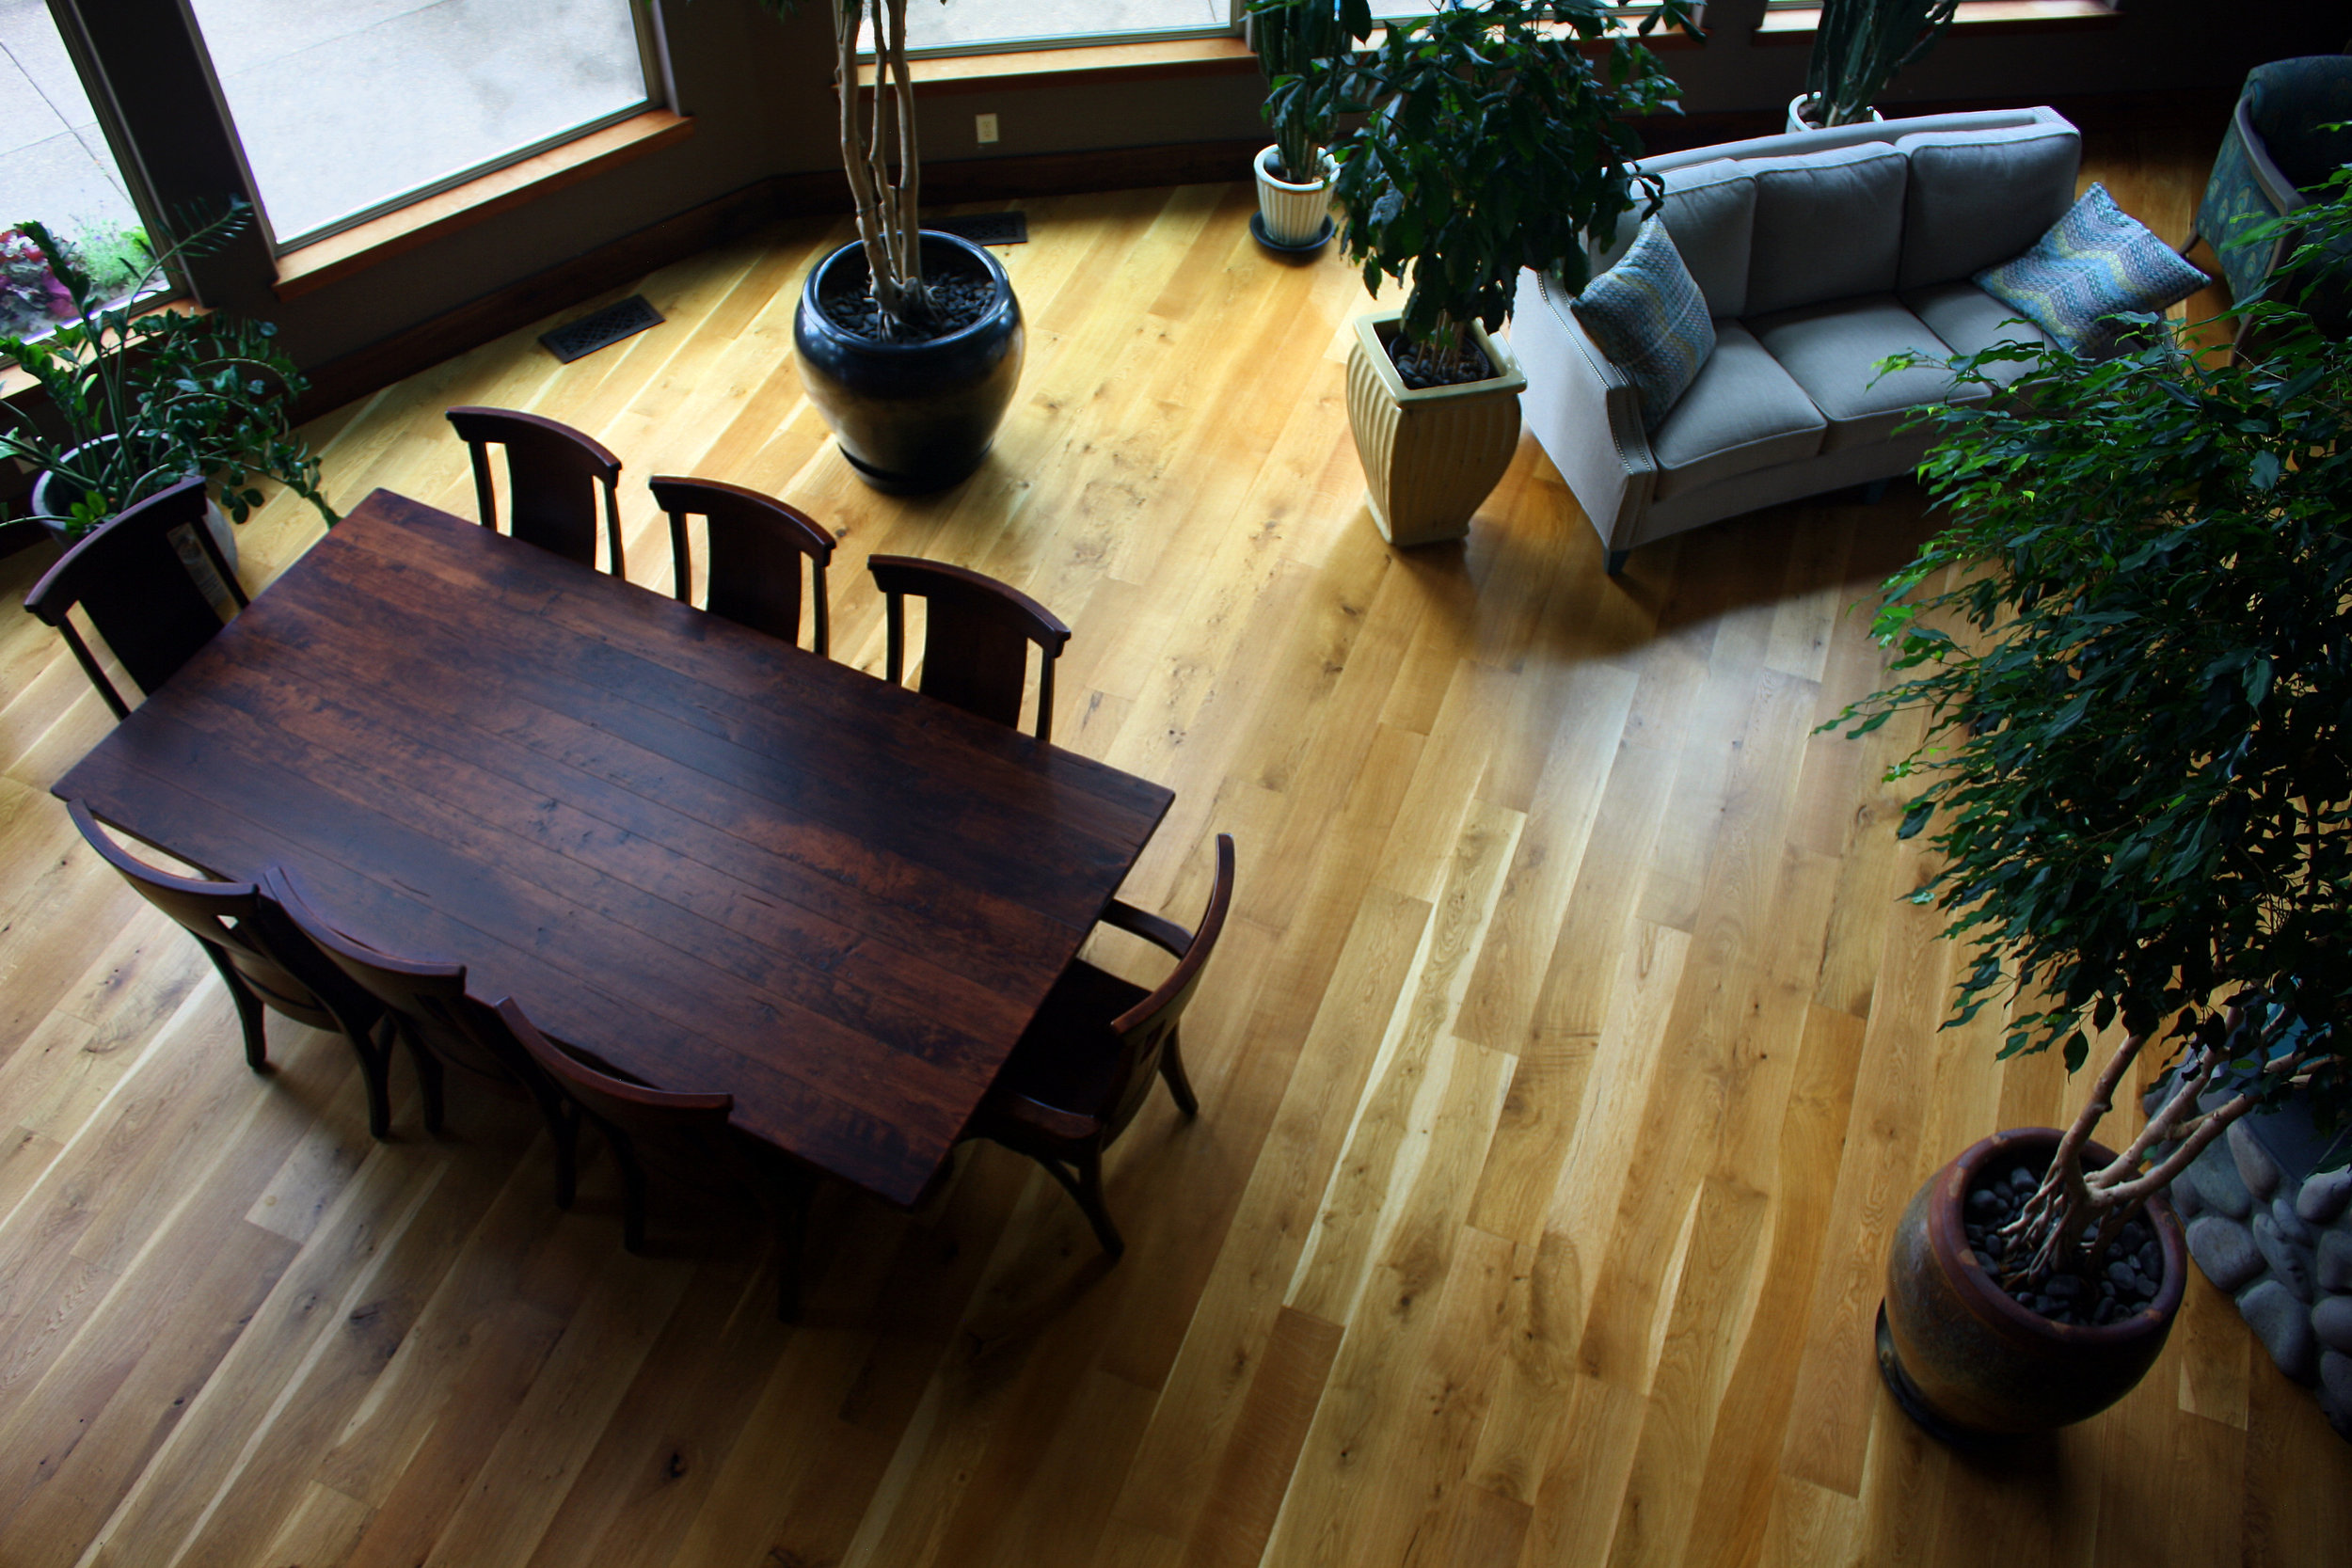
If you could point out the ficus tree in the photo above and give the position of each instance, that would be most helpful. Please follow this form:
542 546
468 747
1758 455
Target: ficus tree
2132 648
1491 140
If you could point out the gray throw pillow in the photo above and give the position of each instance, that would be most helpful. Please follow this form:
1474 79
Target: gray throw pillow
1649 316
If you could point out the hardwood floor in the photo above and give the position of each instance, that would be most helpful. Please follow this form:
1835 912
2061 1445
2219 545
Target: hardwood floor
1566 1061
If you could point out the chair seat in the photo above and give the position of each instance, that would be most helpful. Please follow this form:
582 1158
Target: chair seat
1069 1058
1833 352
1742 413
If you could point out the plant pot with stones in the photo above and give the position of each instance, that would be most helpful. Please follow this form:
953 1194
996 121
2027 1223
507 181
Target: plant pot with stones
1291 216
1969 1361
912 413
1431 454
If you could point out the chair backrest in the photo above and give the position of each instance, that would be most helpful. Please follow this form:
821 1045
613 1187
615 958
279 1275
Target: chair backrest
248 930
681 1135
975 652
552 475
1145 1029
428 994
133 576
755 546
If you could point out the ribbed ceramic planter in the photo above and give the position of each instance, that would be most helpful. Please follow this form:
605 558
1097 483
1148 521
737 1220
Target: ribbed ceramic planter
1431 455
1294 218
1963 1357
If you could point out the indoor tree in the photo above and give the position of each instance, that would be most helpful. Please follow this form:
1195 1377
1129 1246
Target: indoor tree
1490 142
1290 36
2135 749
1859 46
880 154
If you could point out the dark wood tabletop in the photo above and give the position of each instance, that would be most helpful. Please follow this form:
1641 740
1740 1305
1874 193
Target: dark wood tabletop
703 857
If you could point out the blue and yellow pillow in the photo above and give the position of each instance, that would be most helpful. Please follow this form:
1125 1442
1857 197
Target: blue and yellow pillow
2096 260
1649 316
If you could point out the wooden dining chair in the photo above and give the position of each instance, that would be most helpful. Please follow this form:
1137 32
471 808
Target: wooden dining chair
1084 1067
263 960
685 1140
755 544
135 577
442 1026
975 652
552 475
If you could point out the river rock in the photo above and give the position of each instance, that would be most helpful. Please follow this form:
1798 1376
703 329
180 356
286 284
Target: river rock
2284 1324
2255 1167
2325 1197
2186 1201
2331 1320
2216 1178
2335 1376
2334 1263
2224 1250
2285 1258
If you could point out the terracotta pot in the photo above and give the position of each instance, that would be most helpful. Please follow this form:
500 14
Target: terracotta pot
914 417
1964 1359
1430 455
1293 216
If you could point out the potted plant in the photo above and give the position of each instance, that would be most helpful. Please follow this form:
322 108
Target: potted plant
908 341
142 397
1859 46
2137 753
1491 143
1295 174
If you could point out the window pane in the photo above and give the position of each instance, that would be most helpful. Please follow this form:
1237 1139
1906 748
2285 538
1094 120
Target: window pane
56 168
974 23
344 106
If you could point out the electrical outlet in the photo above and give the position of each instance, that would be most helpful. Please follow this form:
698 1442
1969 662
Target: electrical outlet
984 127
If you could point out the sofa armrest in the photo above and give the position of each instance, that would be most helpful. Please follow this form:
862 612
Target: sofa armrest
1584 412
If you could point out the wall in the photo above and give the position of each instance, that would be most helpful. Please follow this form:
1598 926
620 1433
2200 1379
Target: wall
760 93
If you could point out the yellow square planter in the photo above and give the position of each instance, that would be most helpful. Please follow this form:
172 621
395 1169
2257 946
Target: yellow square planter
1432 455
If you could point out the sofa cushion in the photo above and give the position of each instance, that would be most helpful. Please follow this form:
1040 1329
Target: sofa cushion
1971 320
1709 208
1649 318
1980 197
1828 226
2095 260
1741 413
1832 352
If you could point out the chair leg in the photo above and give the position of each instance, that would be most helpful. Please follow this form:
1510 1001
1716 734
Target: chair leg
562 1119
1084 1183
1172 1070
373 1047
792 1203
1614 563
429 1075
250 1015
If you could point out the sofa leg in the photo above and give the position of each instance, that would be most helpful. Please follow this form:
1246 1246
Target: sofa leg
1615 565
1875 491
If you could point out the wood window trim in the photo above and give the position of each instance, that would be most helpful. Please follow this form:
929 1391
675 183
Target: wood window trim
1798 24
1209 56
340 256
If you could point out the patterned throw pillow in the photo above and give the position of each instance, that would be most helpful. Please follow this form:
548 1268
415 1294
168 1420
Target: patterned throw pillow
1650 318
2095 260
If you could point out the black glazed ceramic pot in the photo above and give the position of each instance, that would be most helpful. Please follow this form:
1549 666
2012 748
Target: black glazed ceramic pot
910 417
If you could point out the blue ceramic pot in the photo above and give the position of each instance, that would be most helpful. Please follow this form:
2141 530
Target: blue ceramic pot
910 417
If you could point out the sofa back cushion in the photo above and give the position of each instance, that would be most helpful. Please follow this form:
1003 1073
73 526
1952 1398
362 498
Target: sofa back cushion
1980 197
1829 225
1710 210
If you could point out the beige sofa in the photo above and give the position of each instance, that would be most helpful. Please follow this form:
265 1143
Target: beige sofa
1819 253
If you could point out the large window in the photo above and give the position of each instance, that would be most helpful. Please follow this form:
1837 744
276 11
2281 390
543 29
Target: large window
56 169
347 108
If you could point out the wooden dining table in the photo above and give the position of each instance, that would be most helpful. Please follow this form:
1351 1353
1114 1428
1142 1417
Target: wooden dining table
698 856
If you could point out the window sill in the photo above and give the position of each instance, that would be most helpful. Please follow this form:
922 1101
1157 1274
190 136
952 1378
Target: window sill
1798 24
340 256
1218 55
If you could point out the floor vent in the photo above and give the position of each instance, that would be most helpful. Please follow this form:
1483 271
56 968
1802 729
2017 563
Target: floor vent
985 228
592 332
